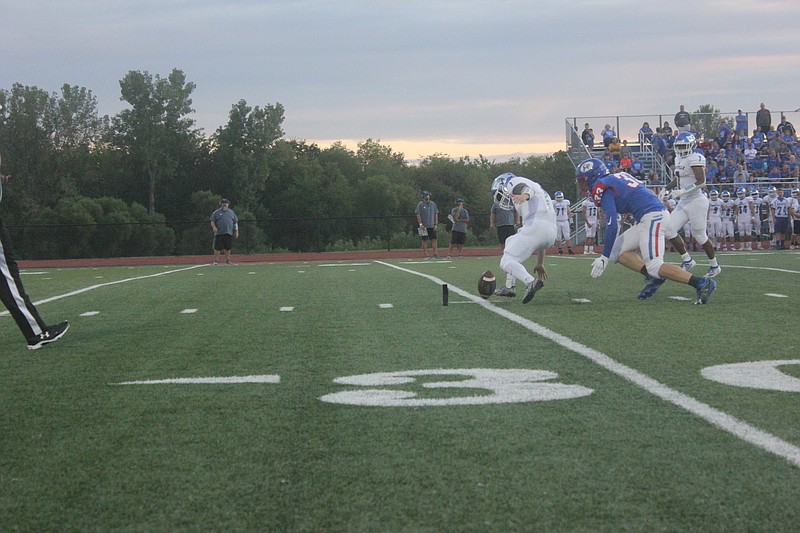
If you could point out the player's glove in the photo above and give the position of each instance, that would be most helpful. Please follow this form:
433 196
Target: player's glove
677 193
599 266
662 194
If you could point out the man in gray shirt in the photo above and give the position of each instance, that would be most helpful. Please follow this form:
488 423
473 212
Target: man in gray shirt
427 220
225 225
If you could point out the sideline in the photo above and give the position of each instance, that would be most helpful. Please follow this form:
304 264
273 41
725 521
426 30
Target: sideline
92 287
744 431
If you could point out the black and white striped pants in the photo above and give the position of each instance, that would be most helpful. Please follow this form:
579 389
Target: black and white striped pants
12 293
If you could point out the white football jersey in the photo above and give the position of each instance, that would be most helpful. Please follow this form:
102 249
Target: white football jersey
539 207
726 210
685 174
744 206
562 209
715 209
591 210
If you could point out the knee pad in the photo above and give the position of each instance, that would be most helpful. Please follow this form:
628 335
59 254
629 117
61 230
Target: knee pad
701 237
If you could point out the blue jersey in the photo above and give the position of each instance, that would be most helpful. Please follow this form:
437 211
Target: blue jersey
622 194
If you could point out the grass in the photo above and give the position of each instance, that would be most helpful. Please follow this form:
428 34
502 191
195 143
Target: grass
80 453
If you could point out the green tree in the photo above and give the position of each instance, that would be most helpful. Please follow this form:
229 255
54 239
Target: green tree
157 130
241 149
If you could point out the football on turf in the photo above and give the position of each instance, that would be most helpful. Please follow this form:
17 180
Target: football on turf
487 284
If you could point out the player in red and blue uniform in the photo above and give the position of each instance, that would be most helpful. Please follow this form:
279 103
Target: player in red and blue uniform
621 193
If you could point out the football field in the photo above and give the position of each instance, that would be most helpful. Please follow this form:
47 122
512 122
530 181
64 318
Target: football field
345 397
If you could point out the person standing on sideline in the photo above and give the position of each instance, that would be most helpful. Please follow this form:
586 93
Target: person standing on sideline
538 231
506 222
14 298
763 119
561 205
459 216
620 193
682 120
427 220
779 211
745 218
225 225
690 176
589 211
794 212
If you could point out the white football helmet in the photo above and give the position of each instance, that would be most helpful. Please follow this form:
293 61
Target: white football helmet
559 195
685 143
501 192
740 192
713 194
726 195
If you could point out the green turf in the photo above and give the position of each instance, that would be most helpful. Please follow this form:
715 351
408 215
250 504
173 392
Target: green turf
80 453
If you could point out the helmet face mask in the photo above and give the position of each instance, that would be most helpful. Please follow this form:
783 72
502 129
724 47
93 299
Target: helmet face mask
587 173
559 195
501 192
725 195
740 192
713 194
684 144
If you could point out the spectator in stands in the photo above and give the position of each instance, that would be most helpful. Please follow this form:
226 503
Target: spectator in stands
774 142
645 133
682 120
609 161
759 139
788 139
774 175
750 155
773 160
625 162
763 118
741 124
725 132
626 150
615 148
712 172
637 168
587 137
784 124
666 130
794 164
608 135
741 176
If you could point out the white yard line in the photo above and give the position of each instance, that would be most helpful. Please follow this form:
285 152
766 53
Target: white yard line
720 419
99 285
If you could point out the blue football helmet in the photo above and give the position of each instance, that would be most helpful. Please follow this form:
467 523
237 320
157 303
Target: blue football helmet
501 192
740 192
588 172
684 144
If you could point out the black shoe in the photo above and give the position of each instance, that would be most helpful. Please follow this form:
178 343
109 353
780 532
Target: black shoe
50 334
569 250
533 288
560 251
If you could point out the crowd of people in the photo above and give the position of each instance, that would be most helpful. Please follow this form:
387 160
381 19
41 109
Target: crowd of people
736 156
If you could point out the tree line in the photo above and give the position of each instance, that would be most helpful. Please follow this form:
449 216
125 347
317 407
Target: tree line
144 181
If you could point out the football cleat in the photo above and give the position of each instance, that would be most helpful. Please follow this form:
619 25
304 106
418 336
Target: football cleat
50 334
533 288
505 291
688 265
651 286
705 287
713 271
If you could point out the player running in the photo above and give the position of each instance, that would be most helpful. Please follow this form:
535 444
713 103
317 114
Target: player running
622 193
690 174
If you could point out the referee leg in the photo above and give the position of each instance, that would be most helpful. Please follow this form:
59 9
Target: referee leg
12 292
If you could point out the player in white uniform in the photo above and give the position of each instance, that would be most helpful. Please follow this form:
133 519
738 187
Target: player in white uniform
561 205
757 201
538 230
589 210
772 193
714 217
690 174
726 214
794 217
745 218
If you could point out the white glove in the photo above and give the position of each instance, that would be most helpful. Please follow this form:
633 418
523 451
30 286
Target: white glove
599 266
676 193
662 194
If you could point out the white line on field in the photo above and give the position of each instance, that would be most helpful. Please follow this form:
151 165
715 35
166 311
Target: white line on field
92 287
720 419
265 378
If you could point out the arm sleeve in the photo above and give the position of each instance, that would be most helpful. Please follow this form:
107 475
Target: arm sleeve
610 211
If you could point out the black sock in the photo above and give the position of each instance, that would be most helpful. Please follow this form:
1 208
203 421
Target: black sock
643 270
694 280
